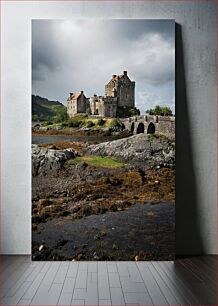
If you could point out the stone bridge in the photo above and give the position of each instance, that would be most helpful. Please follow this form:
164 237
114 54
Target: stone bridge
150 124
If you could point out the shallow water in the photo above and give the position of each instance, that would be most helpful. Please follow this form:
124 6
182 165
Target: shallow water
51 139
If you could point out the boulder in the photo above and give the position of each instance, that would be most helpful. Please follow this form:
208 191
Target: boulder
43 128
44 159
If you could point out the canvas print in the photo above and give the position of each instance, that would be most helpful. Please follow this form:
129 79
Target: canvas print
103 139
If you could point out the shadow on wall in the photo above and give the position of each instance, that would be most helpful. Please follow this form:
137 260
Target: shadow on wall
188 234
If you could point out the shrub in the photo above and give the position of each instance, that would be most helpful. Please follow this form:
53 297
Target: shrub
115 123
61 115
90 124
35 118
65 124
74 122
127 111
88 111
134 112
152 137
101 122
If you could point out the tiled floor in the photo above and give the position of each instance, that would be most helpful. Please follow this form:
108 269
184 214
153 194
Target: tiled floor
189 281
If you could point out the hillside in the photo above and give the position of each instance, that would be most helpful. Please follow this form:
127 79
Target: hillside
45 110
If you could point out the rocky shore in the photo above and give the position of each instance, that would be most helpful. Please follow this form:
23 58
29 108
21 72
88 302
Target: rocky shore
63 131
138 148
69 193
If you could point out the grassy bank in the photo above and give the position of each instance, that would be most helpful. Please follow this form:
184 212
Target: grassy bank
98 161
87 122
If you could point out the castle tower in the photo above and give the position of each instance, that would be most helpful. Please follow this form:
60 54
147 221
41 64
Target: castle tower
123 88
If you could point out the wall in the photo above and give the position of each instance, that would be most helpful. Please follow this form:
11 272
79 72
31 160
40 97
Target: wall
196 113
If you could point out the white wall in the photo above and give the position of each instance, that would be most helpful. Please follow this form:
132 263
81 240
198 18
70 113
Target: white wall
196 113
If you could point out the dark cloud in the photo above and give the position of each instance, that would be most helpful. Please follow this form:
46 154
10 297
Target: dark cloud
46 55
134 29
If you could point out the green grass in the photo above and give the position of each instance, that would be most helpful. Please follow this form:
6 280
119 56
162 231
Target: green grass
156 136
48 124
98 161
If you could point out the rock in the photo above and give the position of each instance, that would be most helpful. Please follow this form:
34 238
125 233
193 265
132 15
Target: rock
36 219
61 243
97 237
85 129
44 202
58 128
36 125
44 159
43 128
81 166
136 148
107 129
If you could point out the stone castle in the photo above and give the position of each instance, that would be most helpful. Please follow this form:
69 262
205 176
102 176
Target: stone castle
119 92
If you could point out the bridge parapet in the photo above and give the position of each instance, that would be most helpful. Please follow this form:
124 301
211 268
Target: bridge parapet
142 124
146 118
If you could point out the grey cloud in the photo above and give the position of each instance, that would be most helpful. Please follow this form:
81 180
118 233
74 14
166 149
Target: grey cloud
75 55
134 29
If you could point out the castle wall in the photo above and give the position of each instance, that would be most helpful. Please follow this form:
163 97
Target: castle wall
110 109
103 106
96 106
71 108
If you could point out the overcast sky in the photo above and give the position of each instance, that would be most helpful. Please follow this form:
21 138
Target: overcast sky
74 55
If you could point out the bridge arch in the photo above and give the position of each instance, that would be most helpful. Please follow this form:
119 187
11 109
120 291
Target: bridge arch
132 127
140 128
123 126
151 128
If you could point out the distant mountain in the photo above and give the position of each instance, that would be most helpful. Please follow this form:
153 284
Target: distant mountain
45 110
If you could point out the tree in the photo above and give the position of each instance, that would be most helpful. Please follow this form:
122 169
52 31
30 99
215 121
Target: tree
134 112
127 111
35 118
161 111
61 115
167 111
